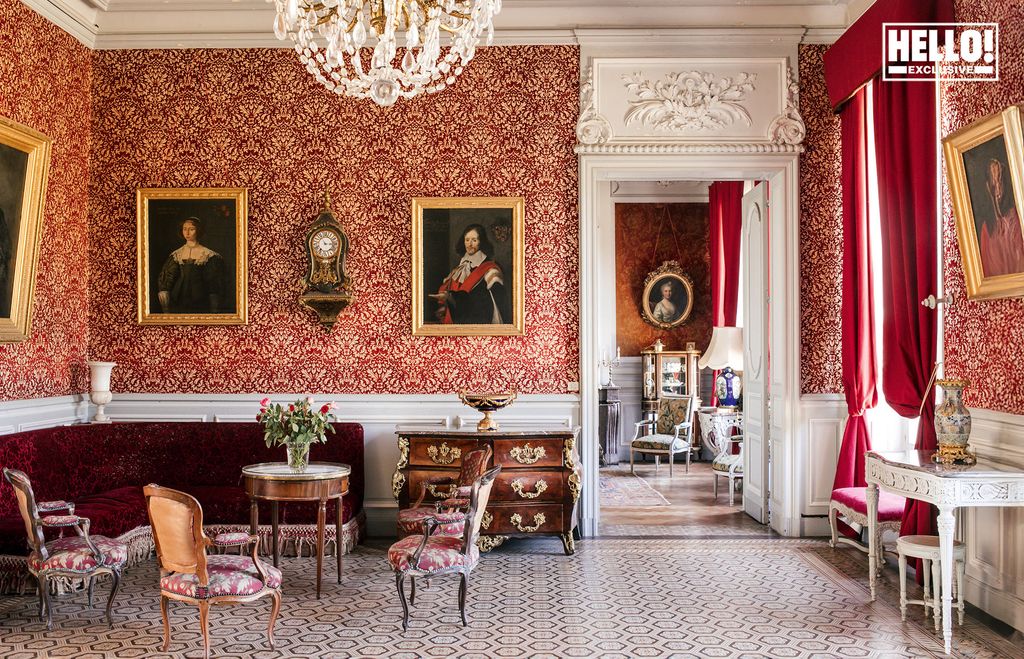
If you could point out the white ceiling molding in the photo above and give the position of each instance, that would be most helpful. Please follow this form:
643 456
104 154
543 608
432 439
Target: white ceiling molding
76 17
114 24
822 35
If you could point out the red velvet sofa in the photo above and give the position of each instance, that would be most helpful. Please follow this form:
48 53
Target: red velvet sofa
102 468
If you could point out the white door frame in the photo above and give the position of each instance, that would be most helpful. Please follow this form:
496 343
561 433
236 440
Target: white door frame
597 315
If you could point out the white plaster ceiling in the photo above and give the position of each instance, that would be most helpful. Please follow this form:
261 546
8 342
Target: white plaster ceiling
107 24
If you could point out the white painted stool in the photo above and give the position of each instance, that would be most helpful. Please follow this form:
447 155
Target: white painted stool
926 547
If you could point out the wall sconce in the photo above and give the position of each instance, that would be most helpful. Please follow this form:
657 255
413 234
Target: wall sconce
99 388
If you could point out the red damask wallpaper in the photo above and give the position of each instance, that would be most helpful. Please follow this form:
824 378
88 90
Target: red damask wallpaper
982 338
821 233
255 119
44 83
646 235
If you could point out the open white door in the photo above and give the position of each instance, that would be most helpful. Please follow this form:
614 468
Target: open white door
756 422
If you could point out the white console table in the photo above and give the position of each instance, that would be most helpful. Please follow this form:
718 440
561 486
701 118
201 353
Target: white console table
915 476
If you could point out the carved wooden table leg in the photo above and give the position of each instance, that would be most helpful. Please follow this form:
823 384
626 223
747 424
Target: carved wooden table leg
338 537
321 519
254 517
273 529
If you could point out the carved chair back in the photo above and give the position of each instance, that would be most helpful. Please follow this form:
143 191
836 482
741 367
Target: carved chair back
473 465
177 521
477 507
29 511
673 411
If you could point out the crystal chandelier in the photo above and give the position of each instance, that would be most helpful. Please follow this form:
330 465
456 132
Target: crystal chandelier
333 37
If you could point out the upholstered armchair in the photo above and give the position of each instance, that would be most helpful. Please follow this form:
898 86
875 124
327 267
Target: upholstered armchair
78 556
728 464
410 520
188 575
673 433
431 554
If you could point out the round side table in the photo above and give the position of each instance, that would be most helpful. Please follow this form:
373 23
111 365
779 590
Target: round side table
276 482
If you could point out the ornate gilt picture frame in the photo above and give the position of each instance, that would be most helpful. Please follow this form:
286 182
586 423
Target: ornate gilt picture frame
985 172
192 256
668 296
467 266
24 170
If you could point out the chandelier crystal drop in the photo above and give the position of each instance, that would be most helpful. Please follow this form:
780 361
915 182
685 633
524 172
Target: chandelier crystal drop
334 37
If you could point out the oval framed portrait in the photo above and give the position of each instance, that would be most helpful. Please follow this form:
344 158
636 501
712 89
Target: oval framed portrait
668 296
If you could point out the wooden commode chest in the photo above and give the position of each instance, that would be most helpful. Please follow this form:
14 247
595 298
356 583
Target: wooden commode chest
535 494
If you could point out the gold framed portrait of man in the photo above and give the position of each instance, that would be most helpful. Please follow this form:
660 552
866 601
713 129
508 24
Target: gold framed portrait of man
467 266
192 256
985 172
24 169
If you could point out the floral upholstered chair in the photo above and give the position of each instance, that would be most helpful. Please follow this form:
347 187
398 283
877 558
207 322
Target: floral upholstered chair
78 556
431 554
410 520
188 575
673 432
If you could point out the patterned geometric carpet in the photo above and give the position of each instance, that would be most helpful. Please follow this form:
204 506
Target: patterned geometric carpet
620 488
617 597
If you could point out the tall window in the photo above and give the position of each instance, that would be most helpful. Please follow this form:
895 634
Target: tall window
888 430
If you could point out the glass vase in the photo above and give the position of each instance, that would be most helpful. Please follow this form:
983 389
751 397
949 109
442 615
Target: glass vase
298 457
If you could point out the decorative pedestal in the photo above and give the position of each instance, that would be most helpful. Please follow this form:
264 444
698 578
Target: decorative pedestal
609 424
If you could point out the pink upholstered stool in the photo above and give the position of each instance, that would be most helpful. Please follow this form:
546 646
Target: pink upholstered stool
852 504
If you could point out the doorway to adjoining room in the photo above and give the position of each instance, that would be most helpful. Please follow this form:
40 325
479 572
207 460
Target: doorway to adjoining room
679 282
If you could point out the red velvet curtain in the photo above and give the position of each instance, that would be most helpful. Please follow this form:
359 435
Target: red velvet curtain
905 139
725 206
725 210
857 313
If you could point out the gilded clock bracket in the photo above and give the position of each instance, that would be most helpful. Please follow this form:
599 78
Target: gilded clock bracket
326 288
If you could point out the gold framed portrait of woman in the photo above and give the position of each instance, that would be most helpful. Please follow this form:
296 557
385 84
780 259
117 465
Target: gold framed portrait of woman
192 256
467 266
668 296
24 168
985 172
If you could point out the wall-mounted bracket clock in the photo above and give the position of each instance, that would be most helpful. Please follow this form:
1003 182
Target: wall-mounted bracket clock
326 289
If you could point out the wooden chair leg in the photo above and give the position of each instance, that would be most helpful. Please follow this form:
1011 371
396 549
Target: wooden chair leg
463 585
204 624
45 605
275 608
400 584
167 622
412 593
115 577
631 468
716 485
689 451
92 580
670 462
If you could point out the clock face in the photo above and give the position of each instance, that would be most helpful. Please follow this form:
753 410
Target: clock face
325 244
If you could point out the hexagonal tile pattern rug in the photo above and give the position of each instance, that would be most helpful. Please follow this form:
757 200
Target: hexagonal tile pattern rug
617 597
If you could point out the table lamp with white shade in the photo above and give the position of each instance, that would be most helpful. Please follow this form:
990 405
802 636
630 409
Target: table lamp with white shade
725 352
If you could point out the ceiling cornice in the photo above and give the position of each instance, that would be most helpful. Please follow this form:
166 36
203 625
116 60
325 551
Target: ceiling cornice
122 24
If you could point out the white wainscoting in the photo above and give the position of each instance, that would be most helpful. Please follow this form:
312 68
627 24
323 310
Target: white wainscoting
22 415
995 536
821 431
378 414
627 377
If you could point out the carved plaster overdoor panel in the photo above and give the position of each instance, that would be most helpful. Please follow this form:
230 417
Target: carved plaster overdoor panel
736 104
